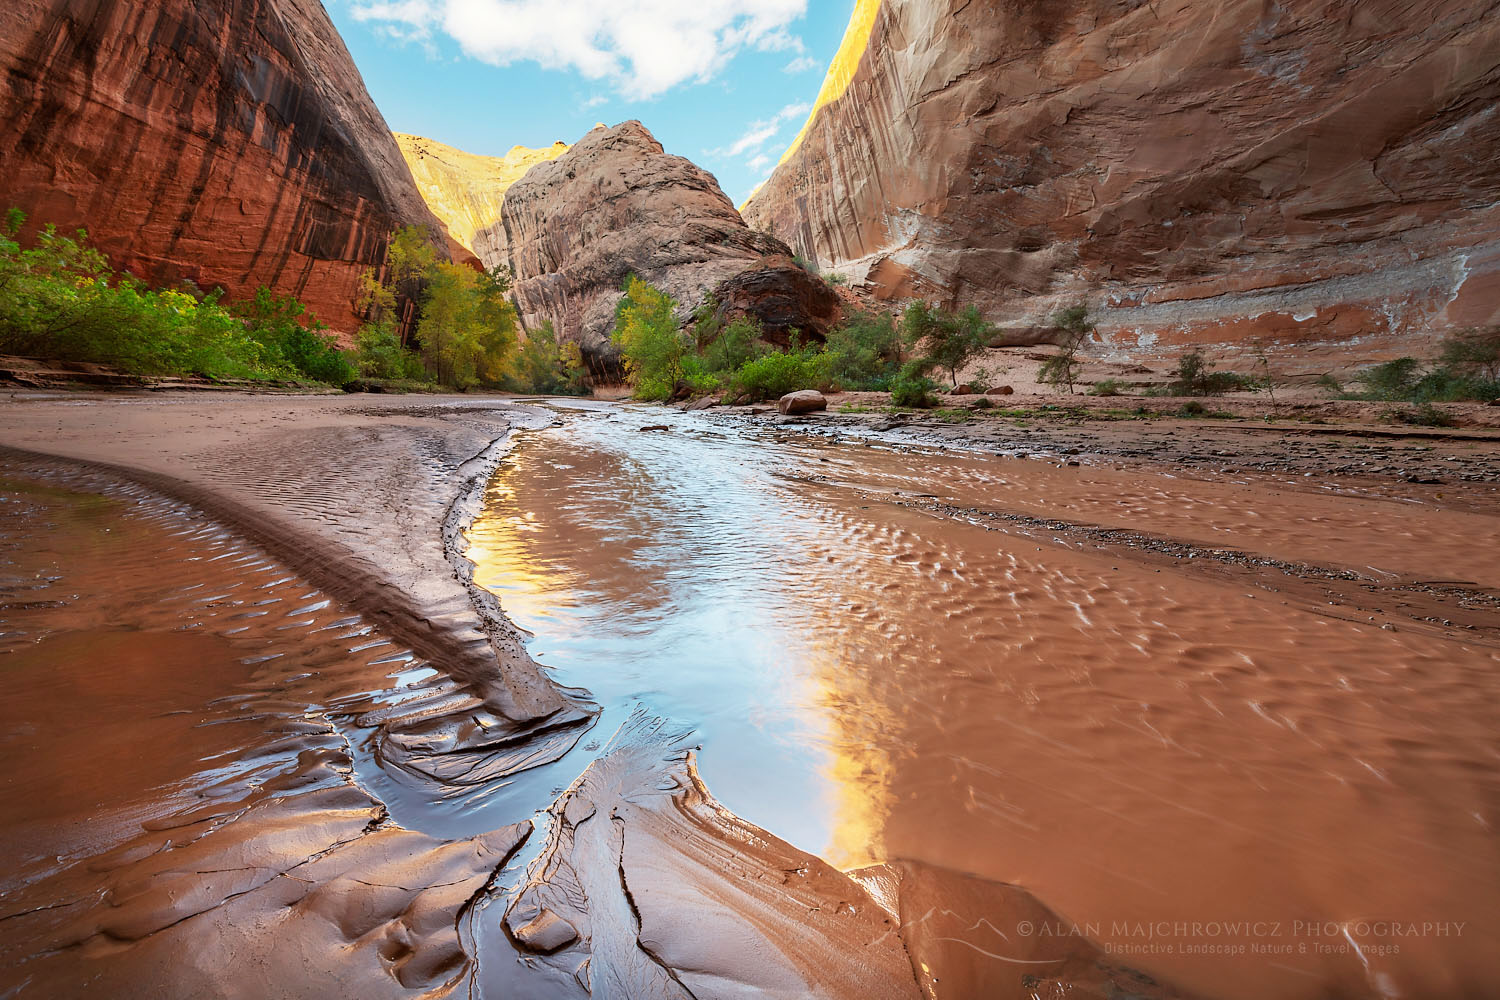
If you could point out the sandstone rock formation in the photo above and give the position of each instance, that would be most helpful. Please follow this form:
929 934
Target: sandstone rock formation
616 204
802 401
1297 176
227 143
466 190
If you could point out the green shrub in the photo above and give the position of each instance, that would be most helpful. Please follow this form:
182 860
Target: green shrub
911 386
863 351
277 324
1424 415
59 298
1474 354
776 373
1108 387
1196 378
1392 380
378 354
733 346
1469 363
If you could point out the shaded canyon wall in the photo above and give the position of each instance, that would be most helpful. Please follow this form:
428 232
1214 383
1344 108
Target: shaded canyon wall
1300 176
227 142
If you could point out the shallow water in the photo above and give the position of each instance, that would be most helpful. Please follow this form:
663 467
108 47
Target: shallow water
1144 749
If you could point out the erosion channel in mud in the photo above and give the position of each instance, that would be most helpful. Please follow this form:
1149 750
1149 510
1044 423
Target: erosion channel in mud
888 655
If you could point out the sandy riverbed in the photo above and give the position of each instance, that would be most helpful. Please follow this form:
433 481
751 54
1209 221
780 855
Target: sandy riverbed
384 742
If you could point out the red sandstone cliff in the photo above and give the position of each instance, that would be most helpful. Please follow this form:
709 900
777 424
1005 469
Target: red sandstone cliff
1288 174
616 204
227 142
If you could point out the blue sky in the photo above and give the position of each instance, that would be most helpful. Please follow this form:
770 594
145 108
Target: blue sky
726 83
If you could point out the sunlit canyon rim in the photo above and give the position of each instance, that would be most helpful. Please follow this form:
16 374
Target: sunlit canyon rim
546 692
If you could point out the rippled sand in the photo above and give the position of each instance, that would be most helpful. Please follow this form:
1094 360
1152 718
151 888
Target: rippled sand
884 676
871 721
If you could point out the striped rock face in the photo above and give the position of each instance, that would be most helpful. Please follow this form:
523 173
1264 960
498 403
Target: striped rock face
1286 179
228 144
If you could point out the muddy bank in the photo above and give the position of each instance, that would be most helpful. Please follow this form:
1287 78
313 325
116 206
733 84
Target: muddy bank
184 723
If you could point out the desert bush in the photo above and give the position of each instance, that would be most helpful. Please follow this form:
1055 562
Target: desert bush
1063 367
59 298
1467 369
1423 415
864 351
378 354
1473 354
1108 387
776 373
733 346
279 325
1194 377
912 387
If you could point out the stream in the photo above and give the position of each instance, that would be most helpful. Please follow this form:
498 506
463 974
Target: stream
883 653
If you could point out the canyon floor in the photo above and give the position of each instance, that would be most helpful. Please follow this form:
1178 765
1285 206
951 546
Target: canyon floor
540 698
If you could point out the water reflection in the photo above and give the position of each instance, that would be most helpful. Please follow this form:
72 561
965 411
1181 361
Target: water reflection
874 682
647 580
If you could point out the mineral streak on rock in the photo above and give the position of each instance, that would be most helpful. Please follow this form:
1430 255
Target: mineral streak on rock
1240 173
466 190
227 144
616 204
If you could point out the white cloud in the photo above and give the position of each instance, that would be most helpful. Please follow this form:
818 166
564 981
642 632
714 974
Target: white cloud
643 47
758 162
801 64
758 133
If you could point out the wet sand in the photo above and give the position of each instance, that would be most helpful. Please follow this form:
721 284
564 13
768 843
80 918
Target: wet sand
1021 725
883 667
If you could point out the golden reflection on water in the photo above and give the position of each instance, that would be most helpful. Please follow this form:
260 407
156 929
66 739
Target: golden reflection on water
875 683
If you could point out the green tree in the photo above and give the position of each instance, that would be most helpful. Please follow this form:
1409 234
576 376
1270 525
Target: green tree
280 325
1073 328
947 340
467 331
544 366
660 361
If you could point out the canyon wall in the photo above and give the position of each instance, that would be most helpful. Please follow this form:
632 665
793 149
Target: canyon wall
224 142
466 191
1297 177
616 205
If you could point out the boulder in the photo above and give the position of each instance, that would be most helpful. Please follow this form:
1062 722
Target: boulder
782 297
1000 390
962 390
1295 175
802 401
614 205
230 143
